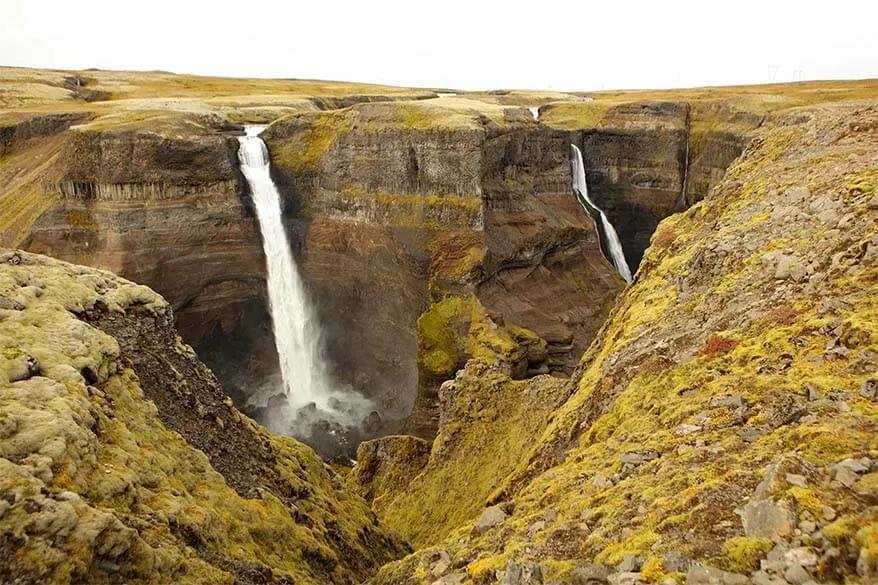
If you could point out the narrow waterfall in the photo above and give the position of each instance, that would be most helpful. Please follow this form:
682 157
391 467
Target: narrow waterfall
610 244
296 334
685 181
535 112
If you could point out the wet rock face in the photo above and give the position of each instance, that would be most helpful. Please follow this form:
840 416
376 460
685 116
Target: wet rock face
388 212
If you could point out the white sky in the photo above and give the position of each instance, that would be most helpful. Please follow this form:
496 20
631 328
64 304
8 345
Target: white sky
467 44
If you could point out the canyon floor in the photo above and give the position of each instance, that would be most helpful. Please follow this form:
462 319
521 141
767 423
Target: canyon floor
715 422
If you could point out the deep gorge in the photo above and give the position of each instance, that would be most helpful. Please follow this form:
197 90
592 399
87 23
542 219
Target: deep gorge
182 222
537 421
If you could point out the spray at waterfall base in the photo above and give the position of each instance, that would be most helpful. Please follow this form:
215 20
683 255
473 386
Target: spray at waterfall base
334 432
305 401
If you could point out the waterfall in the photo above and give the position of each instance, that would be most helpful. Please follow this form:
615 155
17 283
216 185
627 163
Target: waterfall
610 244
684 187
535 112
296 333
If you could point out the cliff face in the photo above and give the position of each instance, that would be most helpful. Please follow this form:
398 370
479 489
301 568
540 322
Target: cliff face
392 202
122 458
458 213
721 427
165 207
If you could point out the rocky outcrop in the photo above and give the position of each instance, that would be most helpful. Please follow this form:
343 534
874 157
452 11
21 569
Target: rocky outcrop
721 428
486 421
19 128
386 463
122 457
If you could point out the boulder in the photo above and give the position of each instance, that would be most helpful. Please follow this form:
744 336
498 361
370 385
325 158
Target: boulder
493 516
766 518
590 574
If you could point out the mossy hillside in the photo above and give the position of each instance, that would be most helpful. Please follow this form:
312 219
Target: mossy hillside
457 257
299 143
669 432
386 463
746 370
303 140
487 420
95 484
574 115
167 124
25 195
455 113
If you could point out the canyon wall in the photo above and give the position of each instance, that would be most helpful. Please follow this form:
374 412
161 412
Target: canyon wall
167 208
390 206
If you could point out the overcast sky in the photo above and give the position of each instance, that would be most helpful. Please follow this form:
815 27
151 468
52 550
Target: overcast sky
467 44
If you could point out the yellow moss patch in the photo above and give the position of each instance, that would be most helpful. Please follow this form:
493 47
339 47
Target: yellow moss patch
307 146
742 554
455 327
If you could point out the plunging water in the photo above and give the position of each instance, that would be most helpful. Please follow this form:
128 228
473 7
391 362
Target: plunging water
296 335
609 238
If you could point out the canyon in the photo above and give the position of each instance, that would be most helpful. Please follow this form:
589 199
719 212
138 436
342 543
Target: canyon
536 419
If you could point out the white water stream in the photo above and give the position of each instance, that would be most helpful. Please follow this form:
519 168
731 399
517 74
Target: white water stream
296 333
614 245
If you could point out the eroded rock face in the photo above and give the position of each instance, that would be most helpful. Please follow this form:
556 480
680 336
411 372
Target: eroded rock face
386 463
389 205
121 457
450 217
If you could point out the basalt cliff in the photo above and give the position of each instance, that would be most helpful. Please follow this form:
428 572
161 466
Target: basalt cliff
536 420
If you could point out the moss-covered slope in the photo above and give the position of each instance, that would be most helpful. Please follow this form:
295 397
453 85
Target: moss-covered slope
726 413
100 479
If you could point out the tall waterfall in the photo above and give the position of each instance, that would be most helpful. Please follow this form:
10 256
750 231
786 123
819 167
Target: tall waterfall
296 334
610 243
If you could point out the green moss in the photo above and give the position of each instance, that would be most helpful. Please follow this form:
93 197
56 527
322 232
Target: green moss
491 420
841 531
112 450
23 198
867 538
807 500
457 328
312 139
639 543
574 115
438 350
742 554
